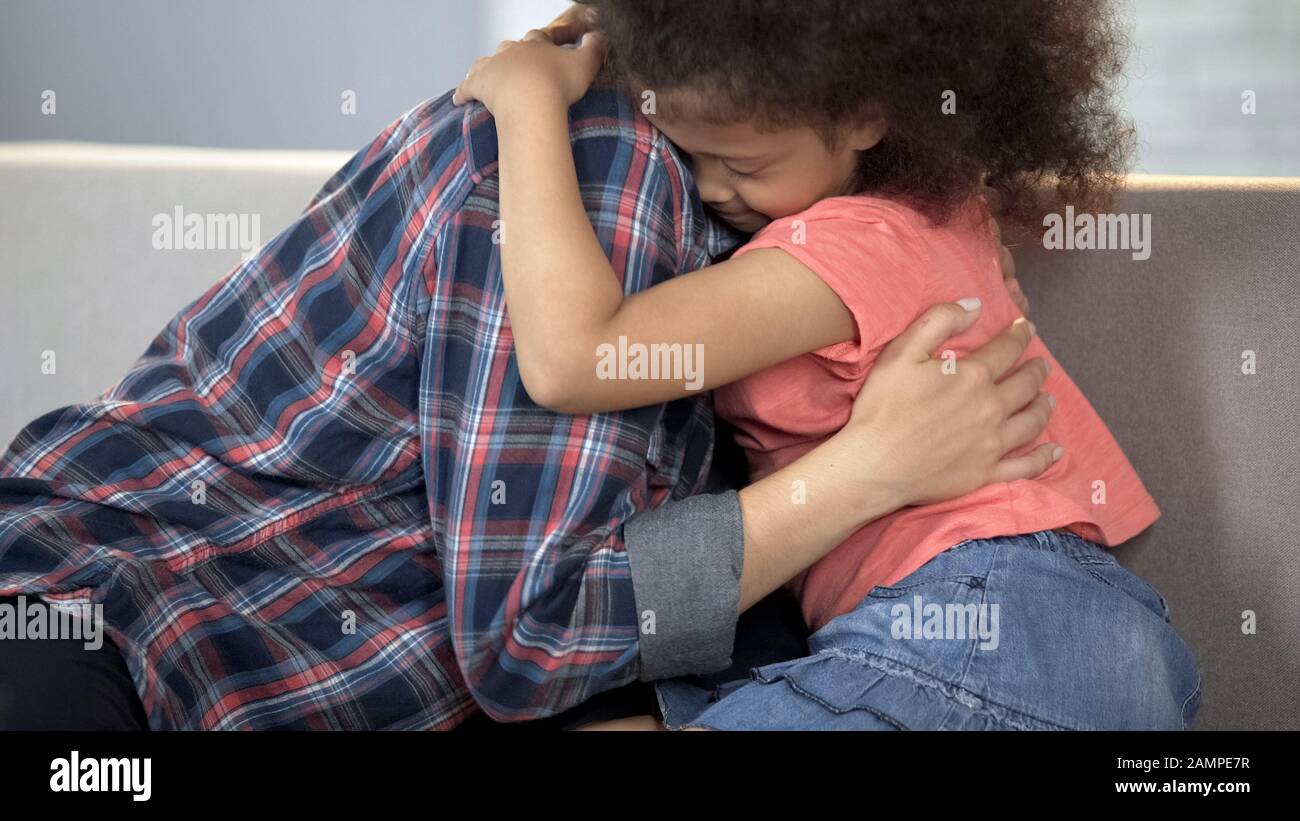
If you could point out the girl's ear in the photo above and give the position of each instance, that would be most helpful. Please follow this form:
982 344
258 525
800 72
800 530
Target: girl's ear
868 134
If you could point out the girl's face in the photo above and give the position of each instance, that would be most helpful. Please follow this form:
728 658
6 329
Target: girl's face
750 177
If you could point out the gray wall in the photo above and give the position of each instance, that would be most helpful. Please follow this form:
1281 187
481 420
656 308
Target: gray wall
269 73
1191 62
238 73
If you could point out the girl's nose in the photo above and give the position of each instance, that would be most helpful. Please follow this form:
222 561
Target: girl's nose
712 184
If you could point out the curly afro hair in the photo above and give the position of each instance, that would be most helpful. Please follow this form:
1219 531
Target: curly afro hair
1031 81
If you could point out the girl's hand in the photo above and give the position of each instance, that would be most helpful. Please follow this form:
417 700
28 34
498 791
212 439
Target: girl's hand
572 23
533 70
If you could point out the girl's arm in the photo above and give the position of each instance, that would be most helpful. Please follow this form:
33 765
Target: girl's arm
565 302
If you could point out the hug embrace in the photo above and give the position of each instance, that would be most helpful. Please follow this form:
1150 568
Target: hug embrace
427 494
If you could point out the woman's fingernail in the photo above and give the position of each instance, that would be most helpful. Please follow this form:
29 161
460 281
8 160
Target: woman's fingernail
1033 331
1057 454
970 303
1051 400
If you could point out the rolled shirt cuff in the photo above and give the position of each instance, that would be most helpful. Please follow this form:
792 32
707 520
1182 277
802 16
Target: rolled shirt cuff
686 559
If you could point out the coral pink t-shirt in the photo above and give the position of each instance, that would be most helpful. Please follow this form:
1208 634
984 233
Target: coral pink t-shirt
887 264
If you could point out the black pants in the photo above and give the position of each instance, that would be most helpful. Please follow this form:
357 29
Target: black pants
60 685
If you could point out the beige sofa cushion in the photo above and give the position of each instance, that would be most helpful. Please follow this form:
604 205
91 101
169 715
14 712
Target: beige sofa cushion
80 273
1155 344
1157 347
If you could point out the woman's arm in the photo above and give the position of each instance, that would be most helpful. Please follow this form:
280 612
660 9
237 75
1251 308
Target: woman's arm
566 305
918 435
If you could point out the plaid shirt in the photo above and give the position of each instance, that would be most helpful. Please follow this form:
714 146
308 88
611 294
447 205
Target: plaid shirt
322 498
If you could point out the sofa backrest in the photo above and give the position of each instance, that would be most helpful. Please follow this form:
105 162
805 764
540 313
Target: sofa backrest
1191 358
80 275
1157 345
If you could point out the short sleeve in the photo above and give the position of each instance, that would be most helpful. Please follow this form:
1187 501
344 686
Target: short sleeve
872 256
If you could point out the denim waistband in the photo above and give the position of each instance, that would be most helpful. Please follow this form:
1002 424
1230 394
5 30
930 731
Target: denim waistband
1060 540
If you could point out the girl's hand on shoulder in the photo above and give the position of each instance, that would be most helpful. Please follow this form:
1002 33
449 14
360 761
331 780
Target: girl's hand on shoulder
533 71
573 22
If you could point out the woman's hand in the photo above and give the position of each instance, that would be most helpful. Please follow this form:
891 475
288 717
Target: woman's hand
937 433
1008 264
533 71
919 433
993 200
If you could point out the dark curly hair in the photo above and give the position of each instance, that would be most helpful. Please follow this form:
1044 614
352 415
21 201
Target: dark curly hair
1033 83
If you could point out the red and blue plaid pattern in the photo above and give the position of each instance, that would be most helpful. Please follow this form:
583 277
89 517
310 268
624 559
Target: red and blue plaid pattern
322 498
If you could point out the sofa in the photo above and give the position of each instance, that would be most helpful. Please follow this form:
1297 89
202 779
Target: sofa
1190 356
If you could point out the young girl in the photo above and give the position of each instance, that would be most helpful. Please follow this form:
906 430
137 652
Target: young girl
853 140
